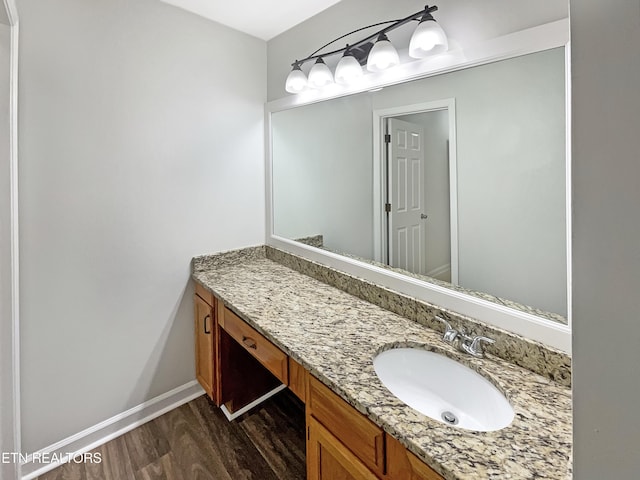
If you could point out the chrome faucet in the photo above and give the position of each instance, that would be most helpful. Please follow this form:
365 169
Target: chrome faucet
450 333
474 347
466 343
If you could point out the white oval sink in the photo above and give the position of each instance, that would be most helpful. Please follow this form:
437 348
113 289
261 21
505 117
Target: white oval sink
443 389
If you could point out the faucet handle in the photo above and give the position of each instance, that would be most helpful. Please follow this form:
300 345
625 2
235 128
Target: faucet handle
450 333
475 347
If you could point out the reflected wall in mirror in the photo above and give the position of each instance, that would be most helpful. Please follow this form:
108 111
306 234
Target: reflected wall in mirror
500 179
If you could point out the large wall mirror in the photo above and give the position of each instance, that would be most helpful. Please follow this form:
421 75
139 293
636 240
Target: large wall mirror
457 181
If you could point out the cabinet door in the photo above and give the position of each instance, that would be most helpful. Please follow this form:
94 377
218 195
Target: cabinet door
404 465
328 459
205 341
359 434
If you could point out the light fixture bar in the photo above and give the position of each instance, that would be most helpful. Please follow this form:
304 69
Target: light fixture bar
375 50
394 24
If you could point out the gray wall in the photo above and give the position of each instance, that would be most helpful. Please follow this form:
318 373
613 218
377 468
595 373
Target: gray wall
322 175
606 237
141 136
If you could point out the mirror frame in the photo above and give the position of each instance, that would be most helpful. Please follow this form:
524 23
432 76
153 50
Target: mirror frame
532 40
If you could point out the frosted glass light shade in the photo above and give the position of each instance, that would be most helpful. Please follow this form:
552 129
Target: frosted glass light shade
383 55
296 81
320 75
348 70
428 39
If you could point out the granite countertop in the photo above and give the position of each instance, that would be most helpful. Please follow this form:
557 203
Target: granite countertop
335 336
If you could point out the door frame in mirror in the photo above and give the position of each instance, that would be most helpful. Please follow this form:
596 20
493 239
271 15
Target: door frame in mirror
532 40
380 180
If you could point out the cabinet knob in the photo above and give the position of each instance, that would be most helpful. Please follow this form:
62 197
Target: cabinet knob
249 342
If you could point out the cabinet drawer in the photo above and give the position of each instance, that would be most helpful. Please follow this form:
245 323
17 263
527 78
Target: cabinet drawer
273 359
204 294
359 434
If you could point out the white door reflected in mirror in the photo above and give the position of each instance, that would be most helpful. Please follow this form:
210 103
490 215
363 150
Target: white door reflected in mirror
418 177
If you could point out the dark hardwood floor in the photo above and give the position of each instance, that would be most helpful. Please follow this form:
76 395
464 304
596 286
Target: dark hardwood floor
195 441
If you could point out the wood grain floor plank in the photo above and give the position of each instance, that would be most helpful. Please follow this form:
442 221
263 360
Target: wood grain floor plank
160 442
196 442
95 470
190 446
237 452
285 452
145 445
73 471
116 461
163 468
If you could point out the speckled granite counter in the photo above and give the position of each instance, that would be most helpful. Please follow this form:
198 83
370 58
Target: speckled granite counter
335 336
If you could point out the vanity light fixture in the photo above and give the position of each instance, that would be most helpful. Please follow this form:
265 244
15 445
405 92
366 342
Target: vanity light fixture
297 80
383 55
320 75
348 70
428 39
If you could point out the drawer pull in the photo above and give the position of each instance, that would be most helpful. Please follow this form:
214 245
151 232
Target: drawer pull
206 331
249 342
254 343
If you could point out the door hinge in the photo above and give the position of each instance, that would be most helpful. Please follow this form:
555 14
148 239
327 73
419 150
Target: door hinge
308 433
387 138
387 207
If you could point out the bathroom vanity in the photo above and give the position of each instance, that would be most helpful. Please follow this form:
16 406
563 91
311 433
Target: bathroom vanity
261 324
382 212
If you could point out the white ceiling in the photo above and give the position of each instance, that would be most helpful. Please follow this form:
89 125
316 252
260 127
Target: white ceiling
264 19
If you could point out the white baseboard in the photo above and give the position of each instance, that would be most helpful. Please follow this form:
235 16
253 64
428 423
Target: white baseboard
111 428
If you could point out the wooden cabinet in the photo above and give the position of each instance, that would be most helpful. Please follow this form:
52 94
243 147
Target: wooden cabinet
205 341
236 365
270 356
344 442
251 367
404 465
329 459
297 379
354 431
